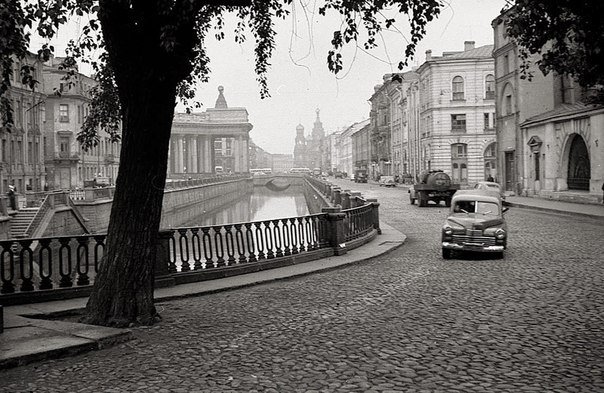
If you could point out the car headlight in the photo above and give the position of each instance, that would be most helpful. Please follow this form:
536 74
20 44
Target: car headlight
447 230
500 234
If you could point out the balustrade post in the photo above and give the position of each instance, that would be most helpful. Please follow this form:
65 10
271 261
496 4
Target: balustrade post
376 214
355 199
345 199
335 229
337 196
163 276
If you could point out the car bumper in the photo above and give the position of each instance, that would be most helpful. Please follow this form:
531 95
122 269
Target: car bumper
472 247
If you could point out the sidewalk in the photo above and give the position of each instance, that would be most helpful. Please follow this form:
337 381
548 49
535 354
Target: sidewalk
553 206
27 338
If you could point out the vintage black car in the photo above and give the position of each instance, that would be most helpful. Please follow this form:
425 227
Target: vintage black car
475 223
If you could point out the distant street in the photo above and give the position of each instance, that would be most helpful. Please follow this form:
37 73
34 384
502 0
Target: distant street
406 322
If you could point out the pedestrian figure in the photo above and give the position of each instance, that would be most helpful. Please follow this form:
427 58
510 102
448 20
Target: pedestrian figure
490 178
12 197
602 192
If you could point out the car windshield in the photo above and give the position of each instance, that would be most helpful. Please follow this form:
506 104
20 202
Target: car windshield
479 207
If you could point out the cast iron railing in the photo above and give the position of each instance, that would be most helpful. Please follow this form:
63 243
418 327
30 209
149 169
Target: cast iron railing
225 245
37 265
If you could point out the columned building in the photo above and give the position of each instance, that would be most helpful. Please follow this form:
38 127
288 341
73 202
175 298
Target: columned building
549 141
216 140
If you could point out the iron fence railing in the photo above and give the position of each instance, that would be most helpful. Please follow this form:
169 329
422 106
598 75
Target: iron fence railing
37 265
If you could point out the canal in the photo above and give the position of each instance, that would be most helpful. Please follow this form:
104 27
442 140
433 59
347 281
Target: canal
262 204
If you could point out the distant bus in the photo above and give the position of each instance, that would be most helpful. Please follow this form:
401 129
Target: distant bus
300 170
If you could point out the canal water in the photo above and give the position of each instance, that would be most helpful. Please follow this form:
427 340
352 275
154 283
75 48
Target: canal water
262 204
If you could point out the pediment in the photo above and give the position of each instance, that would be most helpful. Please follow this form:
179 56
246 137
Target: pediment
535 141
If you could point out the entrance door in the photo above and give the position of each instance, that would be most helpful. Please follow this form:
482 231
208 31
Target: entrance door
509 171
579 167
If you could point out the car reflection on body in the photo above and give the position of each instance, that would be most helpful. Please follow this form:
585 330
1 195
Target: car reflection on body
490 187
475 223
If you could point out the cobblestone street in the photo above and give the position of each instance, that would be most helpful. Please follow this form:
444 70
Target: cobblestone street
406 322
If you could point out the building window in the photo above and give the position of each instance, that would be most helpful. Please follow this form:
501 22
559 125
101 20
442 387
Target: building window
489 87
506 65
64 113
508 104
459 150
487 123
458 92
459 162
458 123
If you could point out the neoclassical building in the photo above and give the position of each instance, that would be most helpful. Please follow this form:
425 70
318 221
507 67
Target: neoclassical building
456 114
550 142
21 148
216 140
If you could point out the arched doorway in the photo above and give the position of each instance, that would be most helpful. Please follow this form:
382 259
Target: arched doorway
579 166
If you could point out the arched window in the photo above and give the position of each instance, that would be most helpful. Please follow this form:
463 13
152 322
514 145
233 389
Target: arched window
489 87
458 93
507 100
490 161
459 162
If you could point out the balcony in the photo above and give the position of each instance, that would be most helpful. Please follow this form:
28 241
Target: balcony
110 159
62 157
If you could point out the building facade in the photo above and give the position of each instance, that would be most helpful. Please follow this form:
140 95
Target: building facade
282 163
67 105
549 139
361 147
217 140
456 114
21 153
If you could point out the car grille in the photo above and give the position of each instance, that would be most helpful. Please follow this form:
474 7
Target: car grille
486 240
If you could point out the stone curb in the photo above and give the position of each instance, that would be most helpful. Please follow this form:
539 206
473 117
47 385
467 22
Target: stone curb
551 210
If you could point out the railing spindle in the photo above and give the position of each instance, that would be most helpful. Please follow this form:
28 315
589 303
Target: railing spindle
26 269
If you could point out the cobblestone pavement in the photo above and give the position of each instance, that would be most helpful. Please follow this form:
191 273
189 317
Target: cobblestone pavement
405 322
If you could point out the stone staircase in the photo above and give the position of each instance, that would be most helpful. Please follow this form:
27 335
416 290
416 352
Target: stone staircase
21 221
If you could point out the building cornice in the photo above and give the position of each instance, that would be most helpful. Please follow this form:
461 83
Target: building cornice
587 112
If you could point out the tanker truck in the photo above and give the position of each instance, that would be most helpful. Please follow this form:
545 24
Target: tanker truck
433 186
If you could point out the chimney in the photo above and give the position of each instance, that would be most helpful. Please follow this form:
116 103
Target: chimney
429 55
468 45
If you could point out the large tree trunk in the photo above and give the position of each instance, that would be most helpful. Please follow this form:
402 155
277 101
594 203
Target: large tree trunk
147 71
123 292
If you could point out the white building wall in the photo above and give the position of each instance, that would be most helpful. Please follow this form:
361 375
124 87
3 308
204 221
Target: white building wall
438 107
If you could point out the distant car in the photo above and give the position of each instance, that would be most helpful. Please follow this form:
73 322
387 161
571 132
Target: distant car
351 177
387 181
339 175
475 223
490 186
360 178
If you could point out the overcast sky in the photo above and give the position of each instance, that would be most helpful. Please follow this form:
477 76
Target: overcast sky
300 82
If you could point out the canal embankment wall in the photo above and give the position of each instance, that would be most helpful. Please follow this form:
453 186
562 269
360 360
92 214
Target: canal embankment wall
179 205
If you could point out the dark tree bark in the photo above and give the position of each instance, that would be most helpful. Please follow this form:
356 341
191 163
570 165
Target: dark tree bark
146 76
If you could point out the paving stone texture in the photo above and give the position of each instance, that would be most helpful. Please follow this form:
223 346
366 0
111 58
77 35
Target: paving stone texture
408 321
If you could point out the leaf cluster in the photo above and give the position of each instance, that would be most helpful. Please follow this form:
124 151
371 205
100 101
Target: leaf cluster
173 33
566 35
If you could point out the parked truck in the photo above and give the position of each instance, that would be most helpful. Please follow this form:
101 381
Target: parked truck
434 185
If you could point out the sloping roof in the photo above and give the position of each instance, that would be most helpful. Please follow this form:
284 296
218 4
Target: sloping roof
561 111
481 51
355 127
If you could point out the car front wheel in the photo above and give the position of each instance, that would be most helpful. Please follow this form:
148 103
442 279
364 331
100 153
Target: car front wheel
447 254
